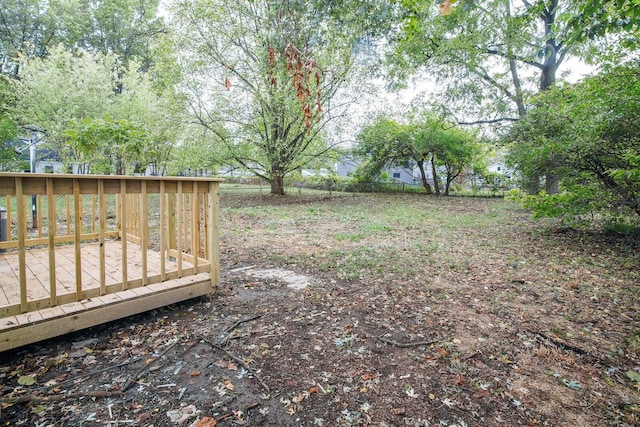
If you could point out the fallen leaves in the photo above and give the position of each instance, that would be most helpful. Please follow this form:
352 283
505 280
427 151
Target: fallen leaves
226 365
205 422
26 380
481 393
181 415
367 377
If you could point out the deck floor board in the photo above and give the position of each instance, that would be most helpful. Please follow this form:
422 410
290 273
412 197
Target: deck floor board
38 276
72 313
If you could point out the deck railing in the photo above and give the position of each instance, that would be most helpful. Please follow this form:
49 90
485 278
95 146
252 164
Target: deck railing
175 217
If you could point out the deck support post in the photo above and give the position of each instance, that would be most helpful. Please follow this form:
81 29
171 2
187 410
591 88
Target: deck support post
213 235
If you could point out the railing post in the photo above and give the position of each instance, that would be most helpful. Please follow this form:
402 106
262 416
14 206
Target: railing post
77 216
144 230
21 215
213 237
52 223
123 230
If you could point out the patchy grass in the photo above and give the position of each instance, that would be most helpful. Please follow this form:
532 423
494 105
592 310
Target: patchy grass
529 321
422 311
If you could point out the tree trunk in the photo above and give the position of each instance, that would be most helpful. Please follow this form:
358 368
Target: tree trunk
436 186
551 183
423 176
277 185
533 185
548 76
447 184
513 68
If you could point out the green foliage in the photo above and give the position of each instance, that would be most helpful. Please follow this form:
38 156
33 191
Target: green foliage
587 135
598 18
425 140
113 144
481 52
9 160
93 114
125 28
259 77
28 28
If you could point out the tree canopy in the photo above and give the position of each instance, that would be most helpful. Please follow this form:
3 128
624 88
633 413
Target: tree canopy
425 141
92 114
587 134
260 77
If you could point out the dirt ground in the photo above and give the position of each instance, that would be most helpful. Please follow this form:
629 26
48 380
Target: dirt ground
336 313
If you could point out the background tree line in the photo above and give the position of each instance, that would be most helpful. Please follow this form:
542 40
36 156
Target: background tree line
272 87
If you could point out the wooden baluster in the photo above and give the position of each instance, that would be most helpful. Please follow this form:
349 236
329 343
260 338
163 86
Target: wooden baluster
171 221
185 232
68 200
102 201
194 227
213 239
93 211
206 197
52 224
163 237
144 230
9 218
39 216
77 209
179 226
123 239
21 214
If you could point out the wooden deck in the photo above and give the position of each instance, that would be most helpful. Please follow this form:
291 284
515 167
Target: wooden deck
90 261
44 321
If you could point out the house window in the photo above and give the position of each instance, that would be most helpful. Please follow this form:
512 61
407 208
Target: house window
48 169
396 174
499 168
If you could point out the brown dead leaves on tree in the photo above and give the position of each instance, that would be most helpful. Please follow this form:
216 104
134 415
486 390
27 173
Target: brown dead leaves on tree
306 78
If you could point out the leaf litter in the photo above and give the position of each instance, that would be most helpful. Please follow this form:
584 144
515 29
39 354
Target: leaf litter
455 312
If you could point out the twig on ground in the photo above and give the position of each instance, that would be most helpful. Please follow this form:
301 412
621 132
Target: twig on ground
239 360
472 355
98 371
34 398
137 374
404 345
227 332
563 345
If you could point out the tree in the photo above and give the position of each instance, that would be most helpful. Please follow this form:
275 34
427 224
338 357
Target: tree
125 28
27 28
8 128
260 77
30 28
75 99
587 134
105 146
385 142
492 56
427 141
455 149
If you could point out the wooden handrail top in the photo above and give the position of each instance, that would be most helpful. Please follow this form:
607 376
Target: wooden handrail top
35 184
